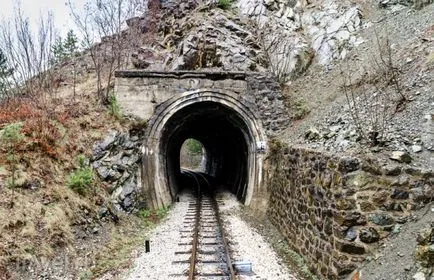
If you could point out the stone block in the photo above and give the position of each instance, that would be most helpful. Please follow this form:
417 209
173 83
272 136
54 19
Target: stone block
357 179
348 164
369 235
349 219
350 248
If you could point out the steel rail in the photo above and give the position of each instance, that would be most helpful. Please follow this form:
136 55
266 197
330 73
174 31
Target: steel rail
192 273
193 257
222 232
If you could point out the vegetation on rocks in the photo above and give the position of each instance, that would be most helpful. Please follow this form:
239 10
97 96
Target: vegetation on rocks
224 4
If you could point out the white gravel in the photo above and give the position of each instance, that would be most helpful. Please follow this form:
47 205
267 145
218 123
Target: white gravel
249 245
164 239
245 242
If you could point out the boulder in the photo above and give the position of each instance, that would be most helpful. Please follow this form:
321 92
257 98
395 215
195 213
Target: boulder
312 134
401 156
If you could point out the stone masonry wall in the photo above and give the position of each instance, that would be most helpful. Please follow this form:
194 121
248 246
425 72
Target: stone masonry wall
333 210
139 93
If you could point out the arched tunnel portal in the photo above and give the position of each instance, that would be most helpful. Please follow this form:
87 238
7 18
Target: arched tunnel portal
230 132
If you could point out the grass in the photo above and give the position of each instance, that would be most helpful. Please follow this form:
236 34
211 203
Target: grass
224 4
113 107
117 253
151 217
283 249
124 239
41 221
81 179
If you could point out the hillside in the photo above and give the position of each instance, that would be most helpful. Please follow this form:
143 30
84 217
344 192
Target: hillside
357 76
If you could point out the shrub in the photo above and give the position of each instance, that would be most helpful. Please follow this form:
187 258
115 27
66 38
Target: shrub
39 124
224 4
375 98
300 109
81 179
113 107
11 134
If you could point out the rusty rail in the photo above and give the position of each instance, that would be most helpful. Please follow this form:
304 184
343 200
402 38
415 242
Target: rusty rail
201 183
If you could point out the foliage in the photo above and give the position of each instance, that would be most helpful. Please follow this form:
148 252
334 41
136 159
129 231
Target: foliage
5 73
193 146
10 137
11 134
81 179
64 49
113 107
58 51
300 109
70 43
40 125
224 4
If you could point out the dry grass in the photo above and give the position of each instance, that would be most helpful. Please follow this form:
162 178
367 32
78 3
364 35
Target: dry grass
38 216
117 252
119 247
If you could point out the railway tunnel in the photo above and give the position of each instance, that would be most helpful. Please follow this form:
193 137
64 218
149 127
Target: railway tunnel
225 139
230 113
228 131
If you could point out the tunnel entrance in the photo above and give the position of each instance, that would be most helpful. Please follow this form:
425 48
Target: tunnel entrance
231 138
225 139
192 155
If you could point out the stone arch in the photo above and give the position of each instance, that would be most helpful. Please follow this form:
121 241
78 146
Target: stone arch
156 178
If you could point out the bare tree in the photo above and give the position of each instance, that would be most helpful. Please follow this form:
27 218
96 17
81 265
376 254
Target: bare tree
101 24
28 52
377 95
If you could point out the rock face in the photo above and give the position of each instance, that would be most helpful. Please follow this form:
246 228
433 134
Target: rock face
334 210
116 160
283 36
327 27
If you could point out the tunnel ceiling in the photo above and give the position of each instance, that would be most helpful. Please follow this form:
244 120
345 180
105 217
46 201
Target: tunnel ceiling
225 137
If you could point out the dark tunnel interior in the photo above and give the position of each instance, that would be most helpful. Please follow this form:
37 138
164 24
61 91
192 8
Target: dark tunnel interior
225 138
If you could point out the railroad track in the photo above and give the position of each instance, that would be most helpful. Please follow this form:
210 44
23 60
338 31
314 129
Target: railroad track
204 246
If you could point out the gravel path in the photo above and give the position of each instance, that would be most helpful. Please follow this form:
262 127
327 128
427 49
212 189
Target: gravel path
246 244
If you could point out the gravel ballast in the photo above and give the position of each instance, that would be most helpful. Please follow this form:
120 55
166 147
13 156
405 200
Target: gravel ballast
164 239
245 243
248 245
